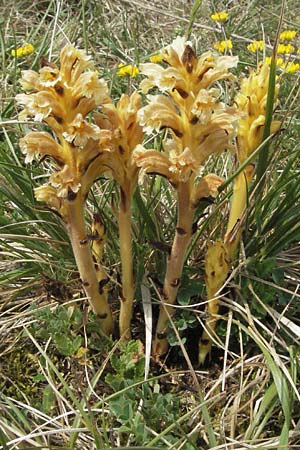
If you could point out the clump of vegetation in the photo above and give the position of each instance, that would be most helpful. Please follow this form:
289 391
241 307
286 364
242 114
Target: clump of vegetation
159 191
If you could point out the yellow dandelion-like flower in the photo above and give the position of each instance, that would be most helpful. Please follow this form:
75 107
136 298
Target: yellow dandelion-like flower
20 52
128 69
279 61
222 46
255 46
287 35
290 67
220 16
157 58
285 48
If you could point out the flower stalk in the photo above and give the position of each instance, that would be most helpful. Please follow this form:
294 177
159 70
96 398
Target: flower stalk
122 122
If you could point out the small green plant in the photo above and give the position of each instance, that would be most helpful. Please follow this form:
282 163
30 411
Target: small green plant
144 407
62 325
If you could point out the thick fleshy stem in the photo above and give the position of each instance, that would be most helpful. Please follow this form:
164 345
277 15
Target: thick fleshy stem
175 264
124 216
75 223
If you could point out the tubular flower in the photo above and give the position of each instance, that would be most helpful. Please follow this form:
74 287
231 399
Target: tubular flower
287 35
255 46
198 125
62 97
220 16
222 46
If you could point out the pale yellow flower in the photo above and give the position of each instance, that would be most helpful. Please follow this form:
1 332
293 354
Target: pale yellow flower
220 16
222 46
198 124
38 143
48 194
80 131
186 74
65 182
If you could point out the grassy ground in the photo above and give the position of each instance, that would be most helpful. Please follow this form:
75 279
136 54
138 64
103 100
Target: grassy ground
62 385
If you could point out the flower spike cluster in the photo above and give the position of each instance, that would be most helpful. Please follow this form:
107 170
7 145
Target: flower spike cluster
62 98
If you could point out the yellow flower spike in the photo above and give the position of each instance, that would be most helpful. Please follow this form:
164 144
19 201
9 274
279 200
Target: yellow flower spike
287 35
62 97
220 16
198 125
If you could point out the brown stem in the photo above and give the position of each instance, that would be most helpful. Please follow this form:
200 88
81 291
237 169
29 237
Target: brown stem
127 263
74 216
175 264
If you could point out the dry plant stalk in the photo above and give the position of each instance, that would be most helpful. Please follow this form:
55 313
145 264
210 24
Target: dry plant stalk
251 101
198 125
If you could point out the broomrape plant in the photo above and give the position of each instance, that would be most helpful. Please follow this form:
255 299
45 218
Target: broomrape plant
62 98
85 144
199 125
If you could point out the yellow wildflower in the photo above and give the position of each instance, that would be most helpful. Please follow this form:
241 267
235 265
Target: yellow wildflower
288 48
255 46
156 58
128 69
220 16
279 61
20 52
290 67
222 46
287 35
